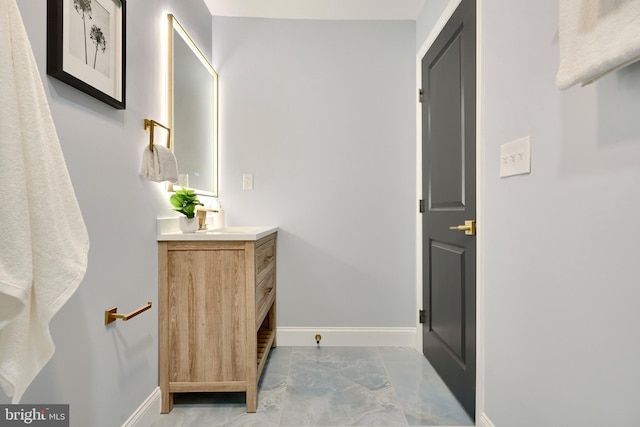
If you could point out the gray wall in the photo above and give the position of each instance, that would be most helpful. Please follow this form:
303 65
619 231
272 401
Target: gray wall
427 19
105 373
561 272
323 114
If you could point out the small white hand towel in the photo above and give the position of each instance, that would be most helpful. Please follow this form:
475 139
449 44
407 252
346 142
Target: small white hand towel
44 247
159 165
596 37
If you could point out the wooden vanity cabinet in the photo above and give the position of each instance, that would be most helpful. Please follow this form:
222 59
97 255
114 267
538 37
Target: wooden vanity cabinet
217 315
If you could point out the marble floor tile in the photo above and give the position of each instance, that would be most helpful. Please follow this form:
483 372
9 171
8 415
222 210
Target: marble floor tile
426 400
330 387
335 354
277 368
337 392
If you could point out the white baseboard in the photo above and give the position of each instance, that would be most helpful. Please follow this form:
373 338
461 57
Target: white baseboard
147 412
484 421
347 337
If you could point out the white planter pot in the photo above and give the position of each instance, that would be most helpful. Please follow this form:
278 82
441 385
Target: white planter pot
188 225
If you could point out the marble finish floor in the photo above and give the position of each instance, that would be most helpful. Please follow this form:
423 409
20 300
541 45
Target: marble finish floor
331 386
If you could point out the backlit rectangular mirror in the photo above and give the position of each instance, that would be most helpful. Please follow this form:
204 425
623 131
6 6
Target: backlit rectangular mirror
193 113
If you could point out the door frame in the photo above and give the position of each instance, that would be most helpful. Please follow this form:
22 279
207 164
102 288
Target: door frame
481 419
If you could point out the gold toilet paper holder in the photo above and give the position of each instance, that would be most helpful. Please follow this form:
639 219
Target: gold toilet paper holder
112 314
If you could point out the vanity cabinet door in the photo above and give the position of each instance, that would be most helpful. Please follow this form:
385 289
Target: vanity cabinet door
203 340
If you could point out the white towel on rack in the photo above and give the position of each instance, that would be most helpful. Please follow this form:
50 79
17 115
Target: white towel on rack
596 37
159 165
44 247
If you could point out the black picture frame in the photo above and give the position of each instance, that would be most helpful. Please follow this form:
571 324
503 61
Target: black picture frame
99 30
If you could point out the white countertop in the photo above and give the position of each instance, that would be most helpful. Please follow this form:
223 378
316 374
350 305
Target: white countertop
168 229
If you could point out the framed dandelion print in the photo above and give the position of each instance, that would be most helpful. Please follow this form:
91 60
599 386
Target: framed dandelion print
86 47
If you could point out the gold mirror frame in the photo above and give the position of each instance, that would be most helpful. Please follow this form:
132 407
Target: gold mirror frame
180 129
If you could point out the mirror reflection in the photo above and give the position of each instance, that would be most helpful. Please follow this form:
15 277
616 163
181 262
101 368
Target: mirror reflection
193 101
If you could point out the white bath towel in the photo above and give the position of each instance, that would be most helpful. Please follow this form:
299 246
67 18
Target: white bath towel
159 165
596 37
44 245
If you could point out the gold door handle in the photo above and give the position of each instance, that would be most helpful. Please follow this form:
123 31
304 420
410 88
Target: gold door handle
469 227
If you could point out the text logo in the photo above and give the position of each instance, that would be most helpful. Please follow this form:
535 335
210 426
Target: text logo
34 415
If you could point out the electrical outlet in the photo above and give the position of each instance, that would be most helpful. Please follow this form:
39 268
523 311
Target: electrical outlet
247 181
515 157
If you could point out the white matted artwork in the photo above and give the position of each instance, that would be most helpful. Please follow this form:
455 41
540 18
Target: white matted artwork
86 47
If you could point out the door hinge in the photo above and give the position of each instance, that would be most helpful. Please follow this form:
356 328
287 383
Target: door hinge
421 206
420 95
422 316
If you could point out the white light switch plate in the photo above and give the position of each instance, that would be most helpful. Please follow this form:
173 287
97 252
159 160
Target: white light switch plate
515 157
247 181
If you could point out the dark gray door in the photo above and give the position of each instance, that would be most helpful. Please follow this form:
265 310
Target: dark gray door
449 191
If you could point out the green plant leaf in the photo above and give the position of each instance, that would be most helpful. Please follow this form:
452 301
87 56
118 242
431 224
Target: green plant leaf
176 201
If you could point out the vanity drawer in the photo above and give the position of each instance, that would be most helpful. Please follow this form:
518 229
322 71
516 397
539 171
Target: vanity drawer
265 258
265 293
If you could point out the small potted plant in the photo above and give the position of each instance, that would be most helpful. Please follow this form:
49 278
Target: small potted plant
185 201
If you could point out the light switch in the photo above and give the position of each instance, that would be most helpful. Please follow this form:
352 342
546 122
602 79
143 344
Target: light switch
247 181
515 157
183 180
